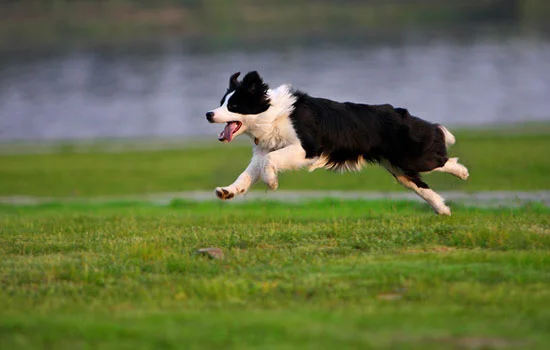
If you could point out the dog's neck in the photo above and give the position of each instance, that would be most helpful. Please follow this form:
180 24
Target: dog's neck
272 129
281 102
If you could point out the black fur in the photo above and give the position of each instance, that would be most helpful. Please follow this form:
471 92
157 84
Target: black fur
347 132
249 95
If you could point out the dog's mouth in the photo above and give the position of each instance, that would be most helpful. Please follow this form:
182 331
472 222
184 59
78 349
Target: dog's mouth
230 129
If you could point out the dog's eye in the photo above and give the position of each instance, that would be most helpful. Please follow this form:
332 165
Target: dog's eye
233 106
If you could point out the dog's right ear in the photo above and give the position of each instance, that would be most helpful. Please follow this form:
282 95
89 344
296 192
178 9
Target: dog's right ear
233 82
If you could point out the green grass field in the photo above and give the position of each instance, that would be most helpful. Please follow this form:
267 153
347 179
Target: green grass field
321 274
496 160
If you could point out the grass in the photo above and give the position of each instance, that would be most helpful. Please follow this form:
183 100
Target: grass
496 160
318 275
322 274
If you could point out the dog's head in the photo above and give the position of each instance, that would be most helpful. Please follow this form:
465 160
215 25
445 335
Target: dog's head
243 101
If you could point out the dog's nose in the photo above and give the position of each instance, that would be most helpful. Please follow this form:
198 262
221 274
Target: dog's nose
210 116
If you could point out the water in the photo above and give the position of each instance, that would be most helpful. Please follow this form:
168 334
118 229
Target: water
164 89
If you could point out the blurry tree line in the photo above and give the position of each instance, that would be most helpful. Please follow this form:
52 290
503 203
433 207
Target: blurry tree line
510 7
48 20
61 4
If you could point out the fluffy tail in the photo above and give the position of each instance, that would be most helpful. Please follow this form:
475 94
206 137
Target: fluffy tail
449 138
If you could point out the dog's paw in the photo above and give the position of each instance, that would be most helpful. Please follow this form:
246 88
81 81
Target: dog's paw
458 169
462 172
269 176
224 193
443 210
273 185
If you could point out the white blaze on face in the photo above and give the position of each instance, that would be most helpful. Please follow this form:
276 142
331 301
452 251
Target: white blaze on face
233 120
222 114
227 97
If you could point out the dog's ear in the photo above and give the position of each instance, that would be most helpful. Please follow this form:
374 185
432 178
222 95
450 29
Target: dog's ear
233 82
254 84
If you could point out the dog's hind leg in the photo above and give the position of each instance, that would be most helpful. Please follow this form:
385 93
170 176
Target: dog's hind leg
425 192
449 138
452 166
247 178
415 183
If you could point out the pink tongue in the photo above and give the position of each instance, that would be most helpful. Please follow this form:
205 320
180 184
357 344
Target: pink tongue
227 133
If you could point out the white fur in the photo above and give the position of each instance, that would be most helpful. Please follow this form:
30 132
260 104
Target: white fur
278 147
322 162
452 166
248 177
429 195
273 128
288 158
449 138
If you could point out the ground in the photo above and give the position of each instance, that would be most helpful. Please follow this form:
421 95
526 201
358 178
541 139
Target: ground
316 274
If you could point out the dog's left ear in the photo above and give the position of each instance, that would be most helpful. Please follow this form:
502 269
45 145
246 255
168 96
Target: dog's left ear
254 84
233 82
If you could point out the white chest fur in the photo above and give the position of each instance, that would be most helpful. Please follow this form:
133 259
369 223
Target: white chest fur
280 135
273 129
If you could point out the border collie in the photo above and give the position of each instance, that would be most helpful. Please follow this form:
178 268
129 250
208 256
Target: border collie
292 130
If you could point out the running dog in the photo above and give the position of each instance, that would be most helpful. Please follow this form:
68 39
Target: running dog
292 130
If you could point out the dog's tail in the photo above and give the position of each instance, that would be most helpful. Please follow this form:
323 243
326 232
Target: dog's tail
449 138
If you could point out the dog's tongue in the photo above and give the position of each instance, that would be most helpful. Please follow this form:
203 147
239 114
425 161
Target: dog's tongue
227 133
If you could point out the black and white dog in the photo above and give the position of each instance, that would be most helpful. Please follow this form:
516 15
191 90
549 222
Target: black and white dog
291 130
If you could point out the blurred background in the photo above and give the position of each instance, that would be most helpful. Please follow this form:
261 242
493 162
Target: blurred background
77 69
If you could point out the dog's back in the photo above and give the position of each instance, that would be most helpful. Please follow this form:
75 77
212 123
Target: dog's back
351 132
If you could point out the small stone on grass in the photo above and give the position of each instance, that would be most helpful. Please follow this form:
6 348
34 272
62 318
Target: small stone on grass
389 296
213 253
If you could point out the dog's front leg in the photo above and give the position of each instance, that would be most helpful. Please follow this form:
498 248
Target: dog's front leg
287 158
247 178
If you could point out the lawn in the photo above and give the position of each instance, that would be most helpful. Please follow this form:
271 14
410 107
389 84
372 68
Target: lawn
319 275
496 160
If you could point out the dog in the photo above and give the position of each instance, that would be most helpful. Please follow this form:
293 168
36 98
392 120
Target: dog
292 130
